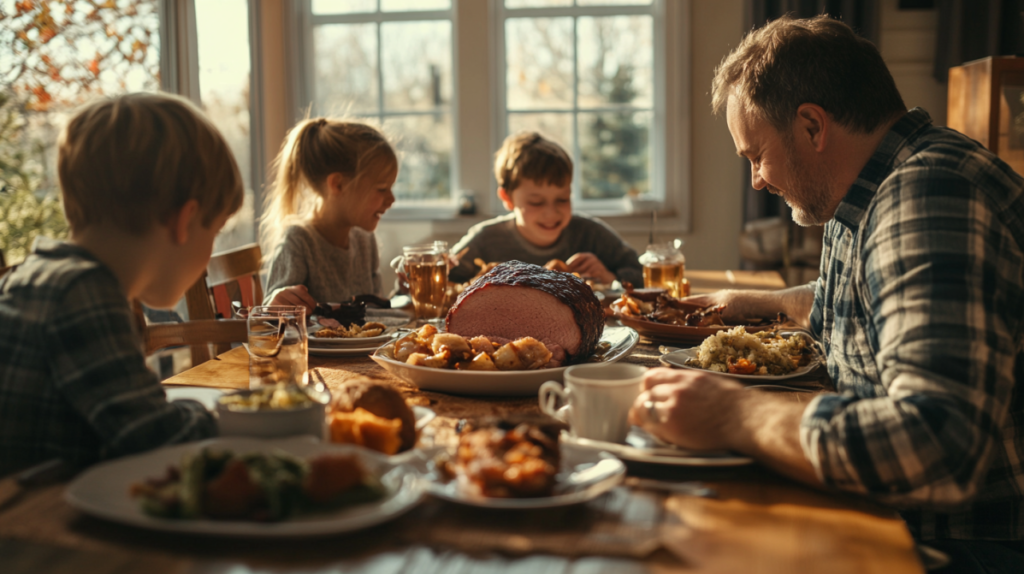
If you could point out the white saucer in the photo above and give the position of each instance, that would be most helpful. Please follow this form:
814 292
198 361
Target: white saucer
652 453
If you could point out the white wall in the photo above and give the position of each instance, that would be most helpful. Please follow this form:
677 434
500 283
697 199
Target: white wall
907 44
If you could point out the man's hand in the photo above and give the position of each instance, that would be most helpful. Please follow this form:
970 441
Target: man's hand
295 295
590 267
704 411
743 304
687 408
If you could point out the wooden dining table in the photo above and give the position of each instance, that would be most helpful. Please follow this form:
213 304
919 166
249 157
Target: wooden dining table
743 519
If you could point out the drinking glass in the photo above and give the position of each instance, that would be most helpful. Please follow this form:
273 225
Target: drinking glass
278 346
665 267
426 270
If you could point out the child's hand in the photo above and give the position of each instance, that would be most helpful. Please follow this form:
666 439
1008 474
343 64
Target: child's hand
296 295
590 267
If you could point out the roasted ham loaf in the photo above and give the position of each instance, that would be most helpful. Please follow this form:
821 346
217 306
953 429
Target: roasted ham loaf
516 300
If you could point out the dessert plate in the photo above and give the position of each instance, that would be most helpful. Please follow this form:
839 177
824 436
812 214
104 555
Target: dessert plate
582 478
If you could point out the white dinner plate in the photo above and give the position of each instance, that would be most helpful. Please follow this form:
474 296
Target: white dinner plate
103 491
360 342
359 351
678 359
642 447
583 477
208 397
621 341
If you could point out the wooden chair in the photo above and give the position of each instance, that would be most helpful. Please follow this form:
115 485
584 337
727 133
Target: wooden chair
230 276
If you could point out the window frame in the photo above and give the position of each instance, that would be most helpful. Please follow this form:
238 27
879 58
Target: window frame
474 128
656 135
414 210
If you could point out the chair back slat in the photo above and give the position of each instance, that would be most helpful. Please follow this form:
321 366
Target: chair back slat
202 332
230 276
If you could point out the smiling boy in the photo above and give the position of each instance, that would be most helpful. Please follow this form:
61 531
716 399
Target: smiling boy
534 182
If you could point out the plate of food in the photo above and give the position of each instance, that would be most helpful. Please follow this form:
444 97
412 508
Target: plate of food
368 334
446 375
659 316
521 466
761 356
249 488
344 351
642 447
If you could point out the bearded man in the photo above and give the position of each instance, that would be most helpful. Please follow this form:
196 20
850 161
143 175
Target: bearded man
919 305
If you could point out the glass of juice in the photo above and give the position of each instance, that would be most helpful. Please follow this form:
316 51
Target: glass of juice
665 268
426 270
278 345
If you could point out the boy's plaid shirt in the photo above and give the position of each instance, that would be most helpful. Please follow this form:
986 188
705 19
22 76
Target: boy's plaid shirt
920 306
73 379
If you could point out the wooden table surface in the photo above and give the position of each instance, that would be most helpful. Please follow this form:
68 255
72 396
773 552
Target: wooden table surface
759 522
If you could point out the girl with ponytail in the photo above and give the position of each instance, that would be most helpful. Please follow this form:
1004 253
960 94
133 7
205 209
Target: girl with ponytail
332 184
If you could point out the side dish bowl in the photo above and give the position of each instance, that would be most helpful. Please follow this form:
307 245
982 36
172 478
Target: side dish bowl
308 419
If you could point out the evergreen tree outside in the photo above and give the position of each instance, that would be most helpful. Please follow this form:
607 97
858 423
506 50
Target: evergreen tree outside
614 145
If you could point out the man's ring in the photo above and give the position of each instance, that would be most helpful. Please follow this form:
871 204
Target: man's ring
652 411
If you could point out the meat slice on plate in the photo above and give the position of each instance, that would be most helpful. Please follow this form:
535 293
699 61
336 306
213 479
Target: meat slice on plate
517 299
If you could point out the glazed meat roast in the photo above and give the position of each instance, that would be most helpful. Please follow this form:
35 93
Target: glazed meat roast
517 299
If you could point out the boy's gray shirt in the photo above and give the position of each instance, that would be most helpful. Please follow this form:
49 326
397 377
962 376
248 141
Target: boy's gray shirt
332 274
498 240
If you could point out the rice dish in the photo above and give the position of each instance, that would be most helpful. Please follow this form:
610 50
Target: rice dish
765 353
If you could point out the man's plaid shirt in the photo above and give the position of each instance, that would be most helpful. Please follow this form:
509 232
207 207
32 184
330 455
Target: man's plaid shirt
920 306
73 379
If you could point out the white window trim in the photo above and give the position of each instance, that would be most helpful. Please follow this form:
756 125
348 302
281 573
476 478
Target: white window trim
179 74
409 210
477 126
670 147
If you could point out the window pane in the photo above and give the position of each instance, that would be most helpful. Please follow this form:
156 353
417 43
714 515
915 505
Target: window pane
616 61
222 30
345 56
343 6
417 62
555 126
536 3
613 2
615 155
424 145
539 54
53 58
407 5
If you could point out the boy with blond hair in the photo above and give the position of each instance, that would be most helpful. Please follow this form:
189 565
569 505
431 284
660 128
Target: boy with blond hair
534 182
147 182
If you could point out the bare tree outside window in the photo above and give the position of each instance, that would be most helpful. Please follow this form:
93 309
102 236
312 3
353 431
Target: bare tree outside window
396 75
588 82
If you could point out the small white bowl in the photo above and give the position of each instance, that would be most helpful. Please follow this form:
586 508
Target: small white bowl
275 423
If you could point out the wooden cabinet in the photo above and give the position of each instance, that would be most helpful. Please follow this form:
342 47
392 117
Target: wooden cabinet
986 102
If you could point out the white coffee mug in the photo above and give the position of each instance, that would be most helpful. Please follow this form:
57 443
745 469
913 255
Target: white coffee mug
597 397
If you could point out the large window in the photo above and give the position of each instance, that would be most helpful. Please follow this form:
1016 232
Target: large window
224 62
584 73
591 74
55 55
389 63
